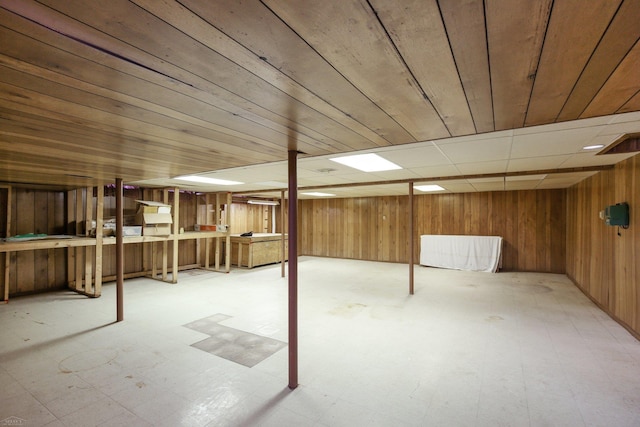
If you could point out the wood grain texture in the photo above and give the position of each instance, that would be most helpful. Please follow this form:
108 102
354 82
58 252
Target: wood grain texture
515 32
620 37
532 224
566 51
602 263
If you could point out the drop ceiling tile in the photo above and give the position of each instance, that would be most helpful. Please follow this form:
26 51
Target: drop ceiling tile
522 185
478 151
416 157
587 159
396 174
488 186
498 166
624 117
436 171
556 143
461 187
536 163
525 178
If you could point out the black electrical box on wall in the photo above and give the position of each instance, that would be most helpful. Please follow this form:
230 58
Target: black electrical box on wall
617 214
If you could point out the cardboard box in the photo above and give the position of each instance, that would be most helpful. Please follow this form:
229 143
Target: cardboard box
204 227
156 230
155 218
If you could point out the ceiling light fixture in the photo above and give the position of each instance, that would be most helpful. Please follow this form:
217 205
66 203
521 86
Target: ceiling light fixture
263 202
428 188
206 180
316 194
593 147
367 162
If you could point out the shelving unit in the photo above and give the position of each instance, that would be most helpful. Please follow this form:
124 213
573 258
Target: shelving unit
85 253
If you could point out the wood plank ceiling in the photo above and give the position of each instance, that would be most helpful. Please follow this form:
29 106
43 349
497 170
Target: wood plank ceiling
152 89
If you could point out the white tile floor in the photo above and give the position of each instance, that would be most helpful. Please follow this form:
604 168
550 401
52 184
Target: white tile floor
477 349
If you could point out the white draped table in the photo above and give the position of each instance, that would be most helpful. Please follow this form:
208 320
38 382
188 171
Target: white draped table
473 253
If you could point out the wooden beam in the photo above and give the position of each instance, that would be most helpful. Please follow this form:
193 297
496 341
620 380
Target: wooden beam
119 252
176 232
411 238
282 232
99 223
7 256
228 223
293 269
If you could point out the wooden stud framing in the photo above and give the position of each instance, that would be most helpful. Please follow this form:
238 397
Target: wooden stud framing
7 255
176 232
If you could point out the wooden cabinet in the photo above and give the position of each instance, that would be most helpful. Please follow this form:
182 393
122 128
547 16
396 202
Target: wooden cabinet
258 249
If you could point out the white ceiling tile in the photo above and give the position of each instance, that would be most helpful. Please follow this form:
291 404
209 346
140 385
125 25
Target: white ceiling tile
478 151
536 163
521 185
411 158
436 171
588 159
498 166
460 187
553 143
488 186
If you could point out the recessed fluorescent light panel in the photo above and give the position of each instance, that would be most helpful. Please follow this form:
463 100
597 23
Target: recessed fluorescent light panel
316 194
206 180
367 162
593 147
428 188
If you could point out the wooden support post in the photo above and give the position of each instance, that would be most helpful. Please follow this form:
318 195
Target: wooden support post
176 232
197 219
119 252
293 269
282 232
165 244
227 260
80 252
71 252
7 255
411 249
99 223
207 241
88 252
216 212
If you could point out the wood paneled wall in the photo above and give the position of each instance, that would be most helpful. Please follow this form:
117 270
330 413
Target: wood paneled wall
532 224
246 217
605 265
35 211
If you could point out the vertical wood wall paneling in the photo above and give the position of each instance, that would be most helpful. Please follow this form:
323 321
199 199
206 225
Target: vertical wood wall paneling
5 231
375 228
25 223
603 264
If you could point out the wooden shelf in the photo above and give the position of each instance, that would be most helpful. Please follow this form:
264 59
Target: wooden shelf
47 243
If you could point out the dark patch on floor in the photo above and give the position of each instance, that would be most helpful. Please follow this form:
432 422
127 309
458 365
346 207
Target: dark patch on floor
232 344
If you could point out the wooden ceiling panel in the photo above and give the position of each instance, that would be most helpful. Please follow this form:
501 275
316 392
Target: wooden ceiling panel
150 89
515 32
279 55
566 51
621 87
163 44
466 30
348 35
622 34
418 32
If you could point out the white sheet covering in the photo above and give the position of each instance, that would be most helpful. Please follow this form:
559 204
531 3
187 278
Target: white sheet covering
473 253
